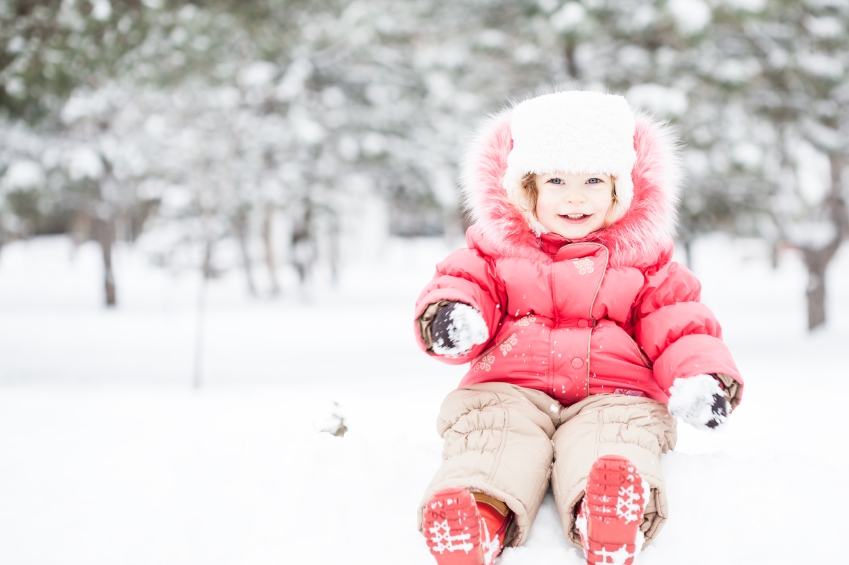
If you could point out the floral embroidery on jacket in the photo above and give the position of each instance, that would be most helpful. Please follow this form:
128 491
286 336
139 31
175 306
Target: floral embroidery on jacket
508 344
584 265
485 363
526 321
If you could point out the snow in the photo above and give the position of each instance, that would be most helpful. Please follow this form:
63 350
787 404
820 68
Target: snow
691 16
548 5
258 73
110 457
293 80
22 174
736 70
658 99
644 16
568 17
821 65
101 9
85 163
747 5
815 235
824 27
747 154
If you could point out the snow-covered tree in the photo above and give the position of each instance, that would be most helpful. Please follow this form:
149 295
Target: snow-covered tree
787 64
264 128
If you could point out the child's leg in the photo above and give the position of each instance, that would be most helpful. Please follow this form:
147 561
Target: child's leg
498 442
639 429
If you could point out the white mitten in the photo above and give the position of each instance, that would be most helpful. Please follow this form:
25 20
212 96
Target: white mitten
699 401
456 329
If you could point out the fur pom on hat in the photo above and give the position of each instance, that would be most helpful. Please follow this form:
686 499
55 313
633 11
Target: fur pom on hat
574 132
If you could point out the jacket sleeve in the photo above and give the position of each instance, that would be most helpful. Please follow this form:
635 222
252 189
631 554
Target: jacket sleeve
464 276
681 335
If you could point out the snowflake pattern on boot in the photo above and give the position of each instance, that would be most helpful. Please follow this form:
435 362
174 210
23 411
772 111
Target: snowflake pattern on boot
455 532
611 512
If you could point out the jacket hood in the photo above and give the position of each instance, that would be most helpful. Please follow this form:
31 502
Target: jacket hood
640 236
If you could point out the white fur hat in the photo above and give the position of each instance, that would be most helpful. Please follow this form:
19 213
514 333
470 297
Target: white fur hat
574 132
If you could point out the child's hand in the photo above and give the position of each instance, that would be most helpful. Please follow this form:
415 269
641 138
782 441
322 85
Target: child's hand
699 401
456 329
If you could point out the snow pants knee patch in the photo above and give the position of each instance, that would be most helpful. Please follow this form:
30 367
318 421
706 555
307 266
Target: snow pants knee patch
498 441
637 428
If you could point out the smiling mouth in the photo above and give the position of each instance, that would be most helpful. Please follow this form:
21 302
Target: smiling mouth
574 216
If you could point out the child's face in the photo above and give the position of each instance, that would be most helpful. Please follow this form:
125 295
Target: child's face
573 206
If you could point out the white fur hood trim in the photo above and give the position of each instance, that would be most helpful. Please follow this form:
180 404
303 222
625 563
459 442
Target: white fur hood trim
643 232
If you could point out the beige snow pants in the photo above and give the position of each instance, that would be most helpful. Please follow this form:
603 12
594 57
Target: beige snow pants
508 441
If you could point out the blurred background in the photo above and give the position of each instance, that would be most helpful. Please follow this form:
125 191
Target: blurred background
245 198
272 137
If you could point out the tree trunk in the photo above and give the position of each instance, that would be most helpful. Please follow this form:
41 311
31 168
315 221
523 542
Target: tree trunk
240 223
268 244
774 253
105 235
200 314
303 244
816 261
571 62
687 244
334 249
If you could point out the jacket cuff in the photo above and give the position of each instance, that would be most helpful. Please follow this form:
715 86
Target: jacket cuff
693 355
425 322
733 389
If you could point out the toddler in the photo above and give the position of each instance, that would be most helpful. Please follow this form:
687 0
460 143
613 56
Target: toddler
585 339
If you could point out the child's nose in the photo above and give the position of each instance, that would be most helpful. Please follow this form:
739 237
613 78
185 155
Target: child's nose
575 195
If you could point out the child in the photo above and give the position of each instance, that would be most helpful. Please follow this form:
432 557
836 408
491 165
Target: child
584 337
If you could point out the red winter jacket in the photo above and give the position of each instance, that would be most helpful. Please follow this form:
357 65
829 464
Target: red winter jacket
607 314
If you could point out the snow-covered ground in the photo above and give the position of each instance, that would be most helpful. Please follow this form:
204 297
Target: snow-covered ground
108 456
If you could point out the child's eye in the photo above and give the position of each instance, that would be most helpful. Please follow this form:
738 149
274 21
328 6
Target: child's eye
555 180
594 180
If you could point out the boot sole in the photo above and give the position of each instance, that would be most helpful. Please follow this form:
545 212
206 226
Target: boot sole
616 496
452 528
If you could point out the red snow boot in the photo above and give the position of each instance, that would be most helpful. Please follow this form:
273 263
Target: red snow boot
612 510
462 531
